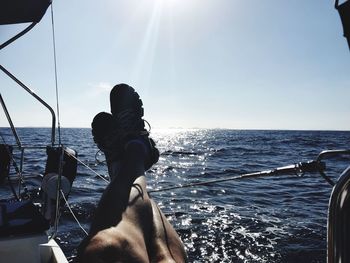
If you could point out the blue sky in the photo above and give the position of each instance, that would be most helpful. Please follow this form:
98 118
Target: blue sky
248 64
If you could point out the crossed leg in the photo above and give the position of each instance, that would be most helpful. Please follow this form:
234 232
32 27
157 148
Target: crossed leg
129 226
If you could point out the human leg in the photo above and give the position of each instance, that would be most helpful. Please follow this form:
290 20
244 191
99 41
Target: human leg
127 240
166 243
123 220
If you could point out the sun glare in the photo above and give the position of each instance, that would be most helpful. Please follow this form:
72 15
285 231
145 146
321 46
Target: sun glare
173 3
158 18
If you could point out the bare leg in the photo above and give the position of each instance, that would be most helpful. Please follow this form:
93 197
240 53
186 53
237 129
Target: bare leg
123 219
128 226
126 241
166 244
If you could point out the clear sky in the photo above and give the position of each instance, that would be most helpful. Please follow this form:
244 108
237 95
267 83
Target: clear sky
243 64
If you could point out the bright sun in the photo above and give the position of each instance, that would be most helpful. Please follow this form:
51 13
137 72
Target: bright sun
172 3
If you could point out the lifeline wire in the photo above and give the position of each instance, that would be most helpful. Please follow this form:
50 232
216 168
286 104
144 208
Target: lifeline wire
72 213
56 82
89 168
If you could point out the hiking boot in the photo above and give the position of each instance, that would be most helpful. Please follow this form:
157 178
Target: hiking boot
126 108
104 133
112 132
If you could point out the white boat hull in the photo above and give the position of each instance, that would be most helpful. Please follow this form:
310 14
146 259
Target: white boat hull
31 249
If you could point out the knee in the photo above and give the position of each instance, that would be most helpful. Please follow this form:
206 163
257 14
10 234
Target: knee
103 249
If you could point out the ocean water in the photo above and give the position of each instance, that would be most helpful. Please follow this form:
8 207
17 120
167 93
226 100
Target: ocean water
275 219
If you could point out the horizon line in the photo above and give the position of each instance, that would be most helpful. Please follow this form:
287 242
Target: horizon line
192 128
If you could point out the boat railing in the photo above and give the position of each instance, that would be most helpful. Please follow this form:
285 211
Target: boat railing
31 92
29 12
12 39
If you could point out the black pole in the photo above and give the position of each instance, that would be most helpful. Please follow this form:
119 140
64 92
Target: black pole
14 132
17 36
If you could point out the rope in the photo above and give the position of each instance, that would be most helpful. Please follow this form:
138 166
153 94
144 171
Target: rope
89 168
72 213
56 79
243 176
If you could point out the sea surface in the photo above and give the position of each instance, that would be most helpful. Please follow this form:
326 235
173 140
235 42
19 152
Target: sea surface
271 219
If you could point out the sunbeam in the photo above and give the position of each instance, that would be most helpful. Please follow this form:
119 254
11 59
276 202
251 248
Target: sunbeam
143 68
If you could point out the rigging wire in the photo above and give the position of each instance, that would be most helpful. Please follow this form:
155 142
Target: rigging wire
72 213
297 169
89 168
56 78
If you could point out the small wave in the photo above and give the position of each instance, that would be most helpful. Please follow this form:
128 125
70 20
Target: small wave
176 153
